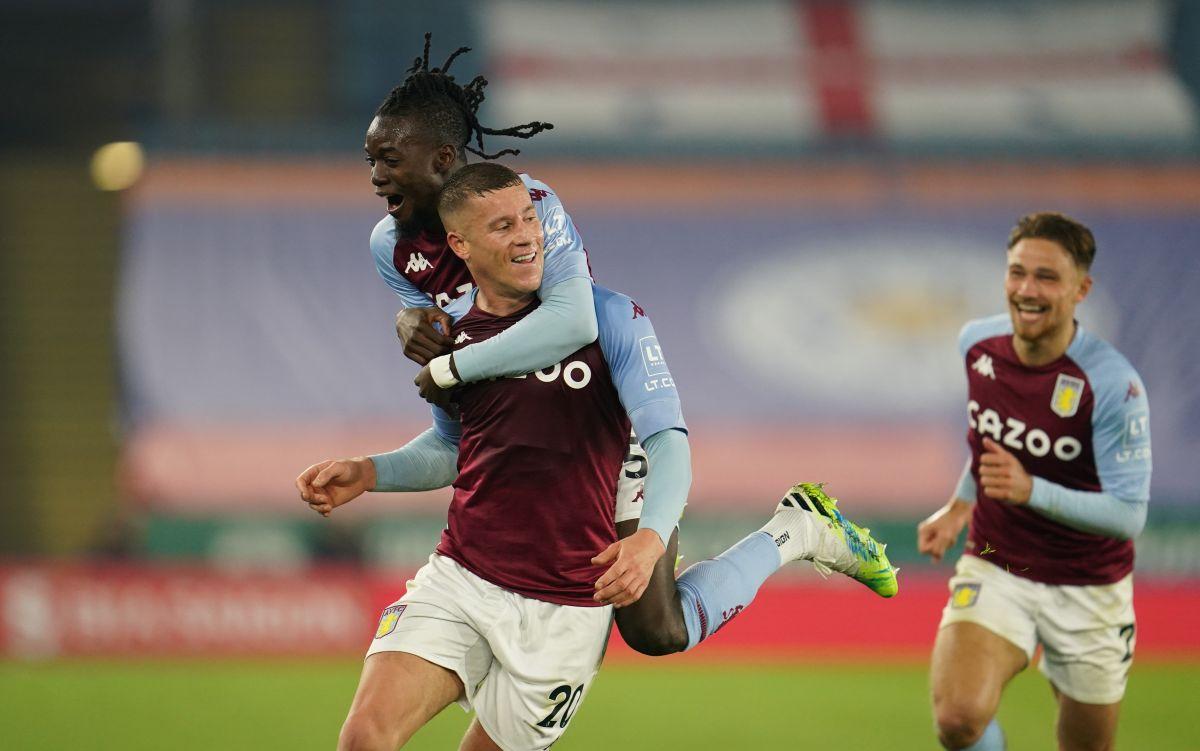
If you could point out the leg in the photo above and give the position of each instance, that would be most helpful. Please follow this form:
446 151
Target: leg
654 624
970 667
1086 727
397 694
477 739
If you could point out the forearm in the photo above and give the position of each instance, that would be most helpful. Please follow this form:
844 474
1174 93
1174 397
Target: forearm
562 324
966 490
1098 513
667 483
427 462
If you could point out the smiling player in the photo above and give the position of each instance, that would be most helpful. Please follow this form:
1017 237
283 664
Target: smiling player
1056 489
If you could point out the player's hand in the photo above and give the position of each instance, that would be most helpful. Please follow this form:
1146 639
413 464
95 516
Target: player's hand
422 341
940 531
326 485
632 562
430 391
1002 476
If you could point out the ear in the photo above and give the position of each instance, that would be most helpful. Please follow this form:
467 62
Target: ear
459 245
446 158
1085 286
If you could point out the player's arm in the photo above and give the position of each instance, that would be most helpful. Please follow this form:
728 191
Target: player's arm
428 462
647 391
1121 445
940 531
416 323
562 324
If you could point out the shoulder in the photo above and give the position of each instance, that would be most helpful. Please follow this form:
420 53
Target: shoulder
614 308
545 200
1108 371
538 190
383 238
979 329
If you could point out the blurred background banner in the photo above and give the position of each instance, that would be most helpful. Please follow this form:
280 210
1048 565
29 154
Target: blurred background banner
809 198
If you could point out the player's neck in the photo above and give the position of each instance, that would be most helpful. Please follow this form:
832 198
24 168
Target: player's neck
421 224
1044 350
500 302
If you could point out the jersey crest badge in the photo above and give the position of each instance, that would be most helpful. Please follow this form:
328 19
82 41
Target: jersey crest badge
417 262
1068 390
387 622
984 367
462 337
965 595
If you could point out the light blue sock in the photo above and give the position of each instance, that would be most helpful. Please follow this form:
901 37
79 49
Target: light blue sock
991 740
714 591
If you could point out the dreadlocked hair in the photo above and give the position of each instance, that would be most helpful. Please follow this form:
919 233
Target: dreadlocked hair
448 110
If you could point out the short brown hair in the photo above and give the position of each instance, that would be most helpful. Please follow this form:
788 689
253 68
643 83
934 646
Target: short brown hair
472 181
1074 238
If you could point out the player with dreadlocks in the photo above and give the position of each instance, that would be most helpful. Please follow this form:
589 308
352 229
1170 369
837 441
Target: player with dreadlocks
420 135
415 144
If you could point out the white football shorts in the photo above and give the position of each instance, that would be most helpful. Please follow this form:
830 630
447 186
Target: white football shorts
631 482
526 665
1087 633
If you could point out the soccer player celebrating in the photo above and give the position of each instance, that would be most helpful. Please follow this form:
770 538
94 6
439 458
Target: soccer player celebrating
511 615
416 142
1056 488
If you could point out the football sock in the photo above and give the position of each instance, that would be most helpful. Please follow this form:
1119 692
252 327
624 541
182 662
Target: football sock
714 591
991 740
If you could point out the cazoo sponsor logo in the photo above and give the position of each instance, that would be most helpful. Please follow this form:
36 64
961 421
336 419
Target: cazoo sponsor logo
1014 434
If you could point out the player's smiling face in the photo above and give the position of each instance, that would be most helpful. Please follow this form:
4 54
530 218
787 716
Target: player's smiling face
1043 285
407 170
500 237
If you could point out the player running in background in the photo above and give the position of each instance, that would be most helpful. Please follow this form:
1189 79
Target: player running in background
1056 488
537 461
417 140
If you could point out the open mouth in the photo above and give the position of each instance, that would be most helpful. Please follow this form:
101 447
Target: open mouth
1030 312
394 204
525 258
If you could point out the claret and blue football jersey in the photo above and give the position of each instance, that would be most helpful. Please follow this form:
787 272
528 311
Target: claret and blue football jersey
1082 422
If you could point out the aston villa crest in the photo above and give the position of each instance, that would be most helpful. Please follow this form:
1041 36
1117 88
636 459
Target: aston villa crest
387 622
1068 391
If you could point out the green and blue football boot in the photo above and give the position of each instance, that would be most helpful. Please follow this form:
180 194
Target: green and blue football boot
808 526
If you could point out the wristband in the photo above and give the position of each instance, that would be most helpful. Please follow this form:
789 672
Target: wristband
439 368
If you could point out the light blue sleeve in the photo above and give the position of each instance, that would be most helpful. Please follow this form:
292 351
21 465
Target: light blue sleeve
1120 429
966 489
565 256
647 391
979 329
1098 513
383 243
564 323
639 369
427 462
1120 444
669 460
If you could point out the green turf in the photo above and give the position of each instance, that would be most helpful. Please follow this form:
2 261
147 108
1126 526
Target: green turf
281 705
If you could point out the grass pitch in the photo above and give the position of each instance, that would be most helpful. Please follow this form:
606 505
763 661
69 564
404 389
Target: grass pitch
204 705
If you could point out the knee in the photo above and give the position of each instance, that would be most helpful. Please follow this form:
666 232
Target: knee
655 640
959 724
363 732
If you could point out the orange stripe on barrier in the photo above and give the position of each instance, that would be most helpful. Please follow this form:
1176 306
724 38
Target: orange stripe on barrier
738 185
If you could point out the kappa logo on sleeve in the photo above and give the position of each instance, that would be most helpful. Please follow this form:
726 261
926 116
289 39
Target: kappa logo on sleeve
387 622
